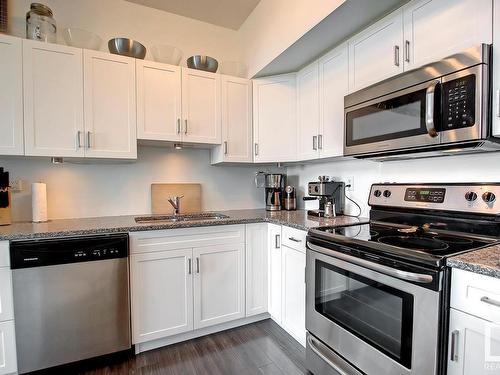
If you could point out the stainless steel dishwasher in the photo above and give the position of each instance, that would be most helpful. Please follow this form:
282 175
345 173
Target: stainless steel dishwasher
71 299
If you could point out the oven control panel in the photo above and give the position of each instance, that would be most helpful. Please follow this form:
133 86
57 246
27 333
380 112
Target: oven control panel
472 198
434 195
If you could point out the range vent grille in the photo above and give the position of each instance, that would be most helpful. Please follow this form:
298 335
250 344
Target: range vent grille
3 16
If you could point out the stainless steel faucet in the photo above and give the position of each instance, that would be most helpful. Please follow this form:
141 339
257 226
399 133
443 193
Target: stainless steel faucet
176 203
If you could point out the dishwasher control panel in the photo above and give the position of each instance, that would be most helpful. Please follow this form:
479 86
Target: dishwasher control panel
49 252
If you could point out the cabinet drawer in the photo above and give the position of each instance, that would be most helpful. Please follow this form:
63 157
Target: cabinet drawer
8 361
6 307
174 239
294 238
4 254
476 294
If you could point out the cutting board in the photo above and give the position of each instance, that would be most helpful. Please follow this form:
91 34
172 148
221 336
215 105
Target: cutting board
161 192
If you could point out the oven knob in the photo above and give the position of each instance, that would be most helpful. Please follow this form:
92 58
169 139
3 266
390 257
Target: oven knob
470 196
489 197
377 193
387 193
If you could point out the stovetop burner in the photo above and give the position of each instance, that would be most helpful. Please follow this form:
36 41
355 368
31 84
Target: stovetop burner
415 243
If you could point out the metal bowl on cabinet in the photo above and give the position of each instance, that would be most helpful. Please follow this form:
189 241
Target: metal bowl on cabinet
127 47
200 62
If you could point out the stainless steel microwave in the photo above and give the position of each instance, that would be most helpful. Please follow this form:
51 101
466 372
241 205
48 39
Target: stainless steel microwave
440 109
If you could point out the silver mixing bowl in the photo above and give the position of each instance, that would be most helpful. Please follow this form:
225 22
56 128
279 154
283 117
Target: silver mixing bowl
200 62
127 47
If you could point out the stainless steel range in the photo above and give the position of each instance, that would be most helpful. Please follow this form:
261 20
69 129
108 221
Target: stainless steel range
377 294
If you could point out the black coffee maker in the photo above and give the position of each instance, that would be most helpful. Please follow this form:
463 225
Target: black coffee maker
326 191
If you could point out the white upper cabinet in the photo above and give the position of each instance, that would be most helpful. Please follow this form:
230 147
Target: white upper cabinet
256 268
496 71
219 284
274 115
308 112
236 122
53 99
201 108
110 105
434 29
376 53
158 101
333 86
11 96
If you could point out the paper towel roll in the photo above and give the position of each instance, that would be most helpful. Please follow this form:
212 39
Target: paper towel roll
39 202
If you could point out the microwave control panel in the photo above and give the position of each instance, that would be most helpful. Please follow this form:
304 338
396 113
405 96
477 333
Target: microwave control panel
459 96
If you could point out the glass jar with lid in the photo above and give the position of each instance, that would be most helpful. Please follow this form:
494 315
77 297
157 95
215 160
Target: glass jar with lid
40 23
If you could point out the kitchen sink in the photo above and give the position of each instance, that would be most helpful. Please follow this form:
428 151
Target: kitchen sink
180 217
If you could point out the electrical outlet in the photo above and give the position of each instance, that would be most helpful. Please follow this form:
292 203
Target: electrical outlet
350 181
16 185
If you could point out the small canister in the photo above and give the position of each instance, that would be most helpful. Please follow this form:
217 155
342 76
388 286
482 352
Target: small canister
329 210
40 23
290 199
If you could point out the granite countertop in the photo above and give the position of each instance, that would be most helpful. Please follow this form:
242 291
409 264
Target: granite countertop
113 224
484 261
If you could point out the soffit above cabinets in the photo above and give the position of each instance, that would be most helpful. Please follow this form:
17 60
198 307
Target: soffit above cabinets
226 13
349 18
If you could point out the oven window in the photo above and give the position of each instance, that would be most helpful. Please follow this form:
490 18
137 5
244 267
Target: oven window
380 315
402 116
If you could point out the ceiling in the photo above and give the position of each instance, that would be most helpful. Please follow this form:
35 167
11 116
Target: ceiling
226 13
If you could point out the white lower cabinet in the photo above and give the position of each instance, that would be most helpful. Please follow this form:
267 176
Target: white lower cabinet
293 318
161 281
274 272
256 264
219 284
8 360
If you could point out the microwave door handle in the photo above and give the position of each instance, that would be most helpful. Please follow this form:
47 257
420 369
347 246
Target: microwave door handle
430 106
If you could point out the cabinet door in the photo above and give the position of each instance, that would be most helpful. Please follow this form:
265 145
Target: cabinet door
162 294
110 106
236 122
333 86
496 70
474 345
8 360
308 112
256 268
53 99
11 96
376 53
6 309
293 317
274 271
158 101
434 29
219 284
201 109
274 116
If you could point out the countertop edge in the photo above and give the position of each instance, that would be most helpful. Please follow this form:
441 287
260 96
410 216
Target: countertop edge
474 267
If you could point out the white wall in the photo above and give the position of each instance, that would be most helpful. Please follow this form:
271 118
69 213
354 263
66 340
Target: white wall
119 18
464 168
274 25
97 189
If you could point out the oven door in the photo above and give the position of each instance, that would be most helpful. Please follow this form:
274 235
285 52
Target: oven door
405 119
378 323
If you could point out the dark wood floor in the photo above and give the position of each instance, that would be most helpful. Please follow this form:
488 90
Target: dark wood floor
259 348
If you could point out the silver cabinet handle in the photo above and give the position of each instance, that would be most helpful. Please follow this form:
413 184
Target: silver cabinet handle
316 348
256 147
454 346
197 265
294 239
490 301
189 266
429 109
320 141
277 241
315 142
89 139
79 139
407 51
178 126
396 55
185 126
225 147
497 103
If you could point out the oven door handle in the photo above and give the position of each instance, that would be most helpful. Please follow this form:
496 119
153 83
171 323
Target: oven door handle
403 275
429 109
